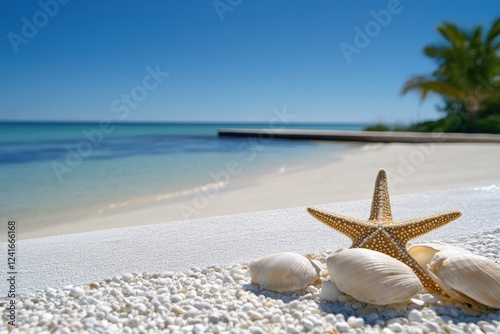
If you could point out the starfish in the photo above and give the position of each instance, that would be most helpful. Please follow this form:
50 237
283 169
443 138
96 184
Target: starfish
381 233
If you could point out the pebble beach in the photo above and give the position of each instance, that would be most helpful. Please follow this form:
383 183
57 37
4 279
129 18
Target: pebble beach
221 299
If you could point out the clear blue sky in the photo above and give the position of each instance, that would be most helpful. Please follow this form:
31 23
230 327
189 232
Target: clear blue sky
262 55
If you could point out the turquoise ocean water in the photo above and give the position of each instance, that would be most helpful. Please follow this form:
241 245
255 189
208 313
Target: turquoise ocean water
52 173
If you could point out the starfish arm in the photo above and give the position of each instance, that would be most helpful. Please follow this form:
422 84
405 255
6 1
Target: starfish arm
410 229
351 227
381 203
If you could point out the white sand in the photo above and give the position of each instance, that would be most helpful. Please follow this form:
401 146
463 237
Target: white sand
92 256
411 168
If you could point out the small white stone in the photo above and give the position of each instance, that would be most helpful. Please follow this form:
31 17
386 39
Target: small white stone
428 298
330 318
355 322
254 315
133 323
415 315
168 274
329 291
276 318
228 279
342 326
315 321
76 292
127 290
432 326
176 298
395 327
116 293
127 277
311 289
256 330
29 304
308 324
113 318
202 306
417 301
198 329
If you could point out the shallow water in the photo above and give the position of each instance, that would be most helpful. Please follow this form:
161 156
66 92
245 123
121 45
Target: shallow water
61 172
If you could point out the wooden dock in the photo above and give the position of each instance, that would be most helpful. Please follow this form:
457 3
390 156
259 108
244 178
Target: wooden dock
363 136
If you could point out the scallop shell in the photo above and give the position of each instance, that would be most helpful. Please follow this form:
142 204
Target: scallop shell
372 277
423 253
283 272
467 277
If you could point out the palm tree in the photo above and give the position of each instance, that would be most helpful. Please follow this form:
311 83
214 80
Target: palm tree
468 68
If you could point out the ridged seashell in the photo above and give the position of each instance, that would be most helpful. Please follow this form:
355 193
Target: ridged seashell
372 277
283 272
467 277
329 291
423 253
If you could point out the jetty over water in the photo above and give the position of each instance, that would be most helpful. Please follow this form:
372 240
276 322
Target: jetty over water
363 136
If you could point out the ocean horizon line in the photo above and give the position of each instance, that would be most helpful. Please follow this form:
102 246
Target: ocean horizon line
173 122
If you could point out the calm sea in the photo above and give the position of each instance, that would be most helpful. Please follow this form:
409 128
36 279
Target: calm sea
53 173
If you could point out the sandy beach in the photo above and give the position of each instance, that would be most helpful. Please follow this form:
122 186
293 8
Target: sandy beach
190 276
411 168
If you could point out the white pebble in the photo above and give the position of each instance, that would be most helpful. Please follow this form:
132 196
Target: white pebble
76 292
415 315
133 323
308 324
202 305
198 329
254 315
342 326
355 322
428 298
116 293
113 318
329 291
207 300
395 327
256 330
127 277
176 298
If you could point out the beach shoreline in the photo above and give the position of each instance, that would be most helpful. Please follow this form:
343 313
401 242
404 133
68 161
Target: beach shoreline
410 167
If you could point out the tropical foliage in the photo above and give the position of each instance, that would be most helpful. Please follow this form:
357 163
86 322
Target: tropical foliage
467 78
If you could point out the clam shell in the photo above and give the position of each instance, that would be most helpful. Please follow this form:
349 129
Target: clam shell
283 272
467 277
423 253
372 277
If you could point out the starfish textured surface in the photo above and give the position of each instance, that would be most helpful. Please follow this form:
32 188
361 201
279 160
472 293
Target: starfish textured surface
381 233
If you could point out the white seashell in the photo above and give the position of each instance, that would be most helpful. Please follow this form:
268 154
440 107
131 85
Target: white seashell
283 272
372 277
329 291
467 277
423 253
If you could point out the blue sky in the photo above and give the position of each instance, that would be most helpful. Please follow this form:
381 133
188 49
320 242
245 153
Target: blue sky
228 60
